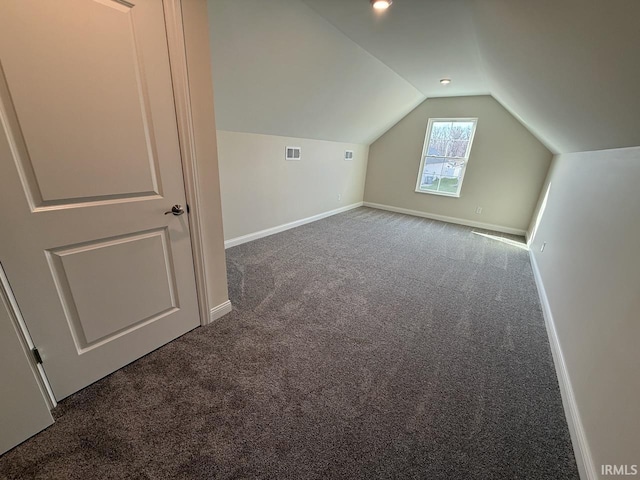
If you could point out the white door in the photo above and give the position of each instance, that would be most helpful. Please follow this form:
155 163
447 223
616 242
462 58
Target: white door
23 408
89 164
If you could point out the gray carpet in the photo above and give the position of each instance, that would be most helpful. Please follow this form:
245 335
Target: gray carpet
367 345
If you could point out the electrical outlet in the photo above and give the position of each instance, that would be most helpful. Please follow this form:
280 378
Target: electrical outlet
542 247
479 210
339 196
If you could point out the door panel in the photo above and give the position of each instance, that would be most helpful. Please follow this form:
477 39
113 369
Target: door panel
101 307
90 161
95 93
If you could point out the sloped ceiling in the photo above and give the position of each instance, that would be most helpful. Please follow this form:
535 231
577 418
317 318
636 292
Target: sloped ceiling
423 40
570 69
336 70
281 69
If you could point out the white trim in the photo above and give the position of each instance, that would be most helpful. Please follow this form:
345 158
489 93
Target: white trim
25 339
182 97
425 147
442 218
220 311
581 448
281 228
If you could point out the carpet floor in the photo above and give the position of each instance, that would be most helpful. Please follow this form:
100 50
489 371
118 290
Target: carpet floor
368 345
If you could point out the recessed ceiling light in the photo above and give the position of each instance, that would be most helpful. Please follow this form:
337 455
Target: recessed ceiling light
381 4
445 81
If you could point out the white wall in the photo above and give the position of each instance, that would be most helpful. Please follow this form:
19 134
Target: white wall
279 68
261 190
590 269
506 169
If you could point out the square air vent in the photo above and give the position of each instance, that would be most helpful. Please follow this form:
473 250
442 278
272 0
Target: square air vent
292 153
348 154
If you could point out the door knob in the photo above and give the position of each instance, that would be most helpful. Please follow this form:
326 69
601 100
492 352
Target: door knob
176 210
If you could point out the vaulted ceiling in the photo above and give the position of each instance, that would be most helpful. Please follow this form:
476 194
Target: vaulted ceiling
279 68
337 70
423 41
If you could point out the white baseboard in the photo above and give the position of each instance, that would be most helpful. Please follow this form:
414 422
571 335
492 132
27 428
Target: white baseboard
281 228
442 218
581 449
220 311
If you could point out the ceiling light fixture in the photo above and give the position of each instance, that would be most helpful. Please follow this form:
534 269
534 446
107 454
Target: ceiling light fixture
445 81
381 4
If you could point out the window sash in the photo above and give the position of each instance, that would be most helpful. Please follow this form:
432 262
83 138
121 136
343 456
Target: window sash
458 162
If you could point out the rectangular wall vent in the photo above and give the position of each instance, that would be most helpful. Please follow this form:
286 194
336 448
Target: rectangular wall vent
292 153
348 154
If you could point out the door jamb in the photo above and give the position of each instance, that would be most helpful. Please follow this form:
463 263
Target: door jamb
182 99
25 338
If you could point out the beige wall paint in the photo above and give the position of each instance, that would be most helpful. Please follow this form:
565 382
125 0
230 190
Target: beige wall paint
261 190
196 29
506 169
590 269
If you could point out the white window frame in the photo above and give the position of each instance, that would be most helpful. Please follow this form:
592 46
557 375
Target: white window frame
465 159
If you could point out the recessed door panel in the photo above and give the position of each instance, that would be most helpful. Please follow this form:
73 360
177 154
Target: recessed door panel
109 287
80 101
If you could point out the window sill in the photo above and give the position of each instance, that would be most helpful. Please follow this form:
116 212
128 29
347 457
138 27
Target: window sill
442 194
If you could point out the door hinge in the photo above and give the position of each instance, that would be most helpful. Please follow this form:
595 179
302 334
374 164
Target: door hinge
36 355
188 208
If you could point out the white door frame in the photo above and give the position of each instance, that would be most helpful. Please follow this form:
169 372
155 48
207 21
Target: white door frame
182 99
25 339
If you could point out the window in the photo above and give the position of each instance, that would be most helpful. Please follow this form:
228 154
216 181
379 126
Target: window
445 154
